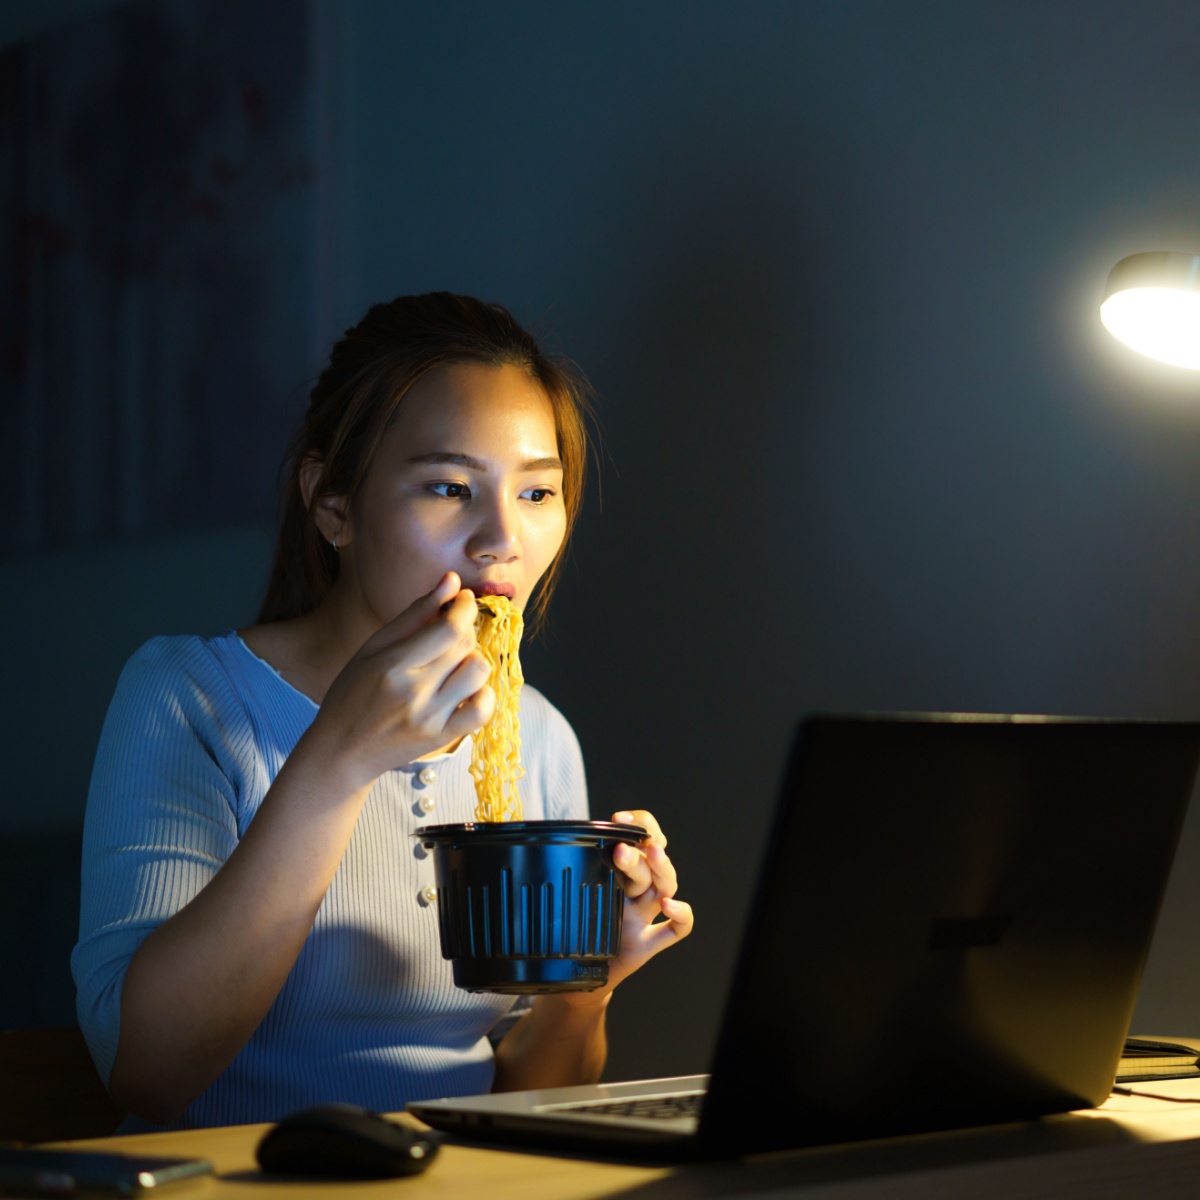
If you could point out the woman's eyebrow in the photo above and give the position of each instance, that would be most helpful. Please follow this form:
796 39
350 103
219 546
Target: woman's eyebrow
550 462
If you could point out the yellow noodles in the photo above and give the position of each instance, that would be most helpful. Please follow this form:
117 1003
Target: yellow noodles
496 748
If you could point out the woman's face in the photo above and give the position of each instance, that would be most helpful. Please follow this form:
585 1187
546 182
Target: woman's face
467 478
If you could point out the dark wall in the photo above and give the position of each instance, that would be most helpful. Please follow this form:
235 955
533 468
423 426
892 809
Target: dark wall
835 270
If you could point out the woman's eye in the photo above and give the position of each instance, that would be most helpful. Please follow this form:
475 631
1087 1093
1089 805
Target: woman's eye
538 495
452 491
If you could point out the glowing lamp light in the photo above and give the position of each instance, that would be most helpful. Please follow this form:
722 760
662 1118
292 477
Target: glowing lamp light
1152 304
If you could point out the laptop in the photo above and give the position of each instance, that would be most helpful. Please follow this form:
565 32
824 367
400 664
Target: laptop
952 917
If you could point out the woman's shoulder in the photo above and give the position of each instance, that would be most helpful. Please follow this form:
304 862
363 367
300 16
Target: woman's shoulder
551 754
219 673
536 709
544 729
170 657
174 700
183 671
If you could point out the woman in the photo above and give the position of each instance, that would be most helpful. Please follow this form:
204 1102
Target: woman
257 932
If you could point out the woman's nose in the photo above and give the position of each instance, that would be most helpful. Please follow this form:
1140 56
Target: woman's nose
496 538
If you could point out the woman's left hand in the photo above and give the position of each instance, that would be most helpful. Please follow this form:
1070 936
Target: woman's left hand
562 1040
650 883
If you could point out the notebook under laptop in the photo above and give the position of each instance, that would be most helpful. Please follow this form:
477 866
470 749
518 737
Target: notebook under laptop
952 917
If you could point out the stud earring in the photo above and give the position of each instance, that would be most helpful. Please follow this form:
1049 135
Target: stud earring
333 543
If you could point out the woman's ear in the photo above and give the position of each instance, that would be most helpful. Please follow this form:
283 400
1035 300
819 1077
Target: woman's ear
328 512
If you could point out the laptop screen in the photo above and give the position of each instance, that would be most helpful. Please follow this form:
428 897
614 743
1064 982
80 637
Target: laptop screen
952 918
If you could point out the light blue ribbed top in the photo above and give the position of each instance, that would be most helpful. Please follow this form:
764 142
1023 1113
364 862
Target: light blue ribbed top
196 732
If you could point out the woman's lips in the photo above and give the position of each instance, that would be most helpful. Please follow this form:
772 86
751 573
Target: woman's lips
494 589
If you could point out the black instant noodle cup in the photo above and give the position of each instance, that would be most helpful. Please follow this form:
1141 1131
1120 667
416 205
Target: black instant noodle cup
529 906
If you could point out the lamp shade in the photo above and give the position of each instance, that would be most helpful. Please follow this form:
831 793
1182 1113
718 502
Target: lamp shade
1152 304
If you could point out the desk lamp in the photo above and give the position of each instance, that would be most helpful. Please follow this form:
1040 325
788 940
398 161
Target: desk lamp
1152 304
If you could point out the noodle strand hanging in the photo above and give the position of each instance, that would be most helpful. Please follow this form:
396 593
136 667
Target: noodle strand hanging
496 748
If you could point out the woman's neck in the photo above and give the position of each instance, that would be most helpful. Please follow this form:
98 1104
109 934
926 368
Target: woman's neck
309 651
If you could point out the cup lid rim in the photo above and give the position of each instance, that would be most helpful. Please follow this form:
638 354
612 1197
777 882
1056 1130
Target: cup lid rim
529 830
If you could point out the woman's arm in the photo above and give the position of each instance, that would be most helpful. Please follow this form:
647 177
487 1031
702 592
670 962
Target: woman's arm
562 1040
200 983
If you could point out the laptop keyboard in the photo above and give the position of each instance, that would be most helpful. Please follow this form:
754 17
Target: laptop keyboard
657 1108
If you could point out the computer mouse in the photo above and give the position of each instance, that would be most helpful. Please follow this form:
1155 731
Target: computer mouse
344 1141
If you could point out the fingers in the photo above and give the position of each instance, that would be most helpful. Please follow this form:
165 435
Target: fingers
449 635
650 883
426 609
417 615
464 677
640 944
679 923
454 683
631 862
639 816
646 871
649 873
423 673
474 709
420 677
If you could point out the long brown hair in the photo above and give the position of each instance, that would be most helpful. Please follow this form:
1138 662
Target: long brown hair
368 374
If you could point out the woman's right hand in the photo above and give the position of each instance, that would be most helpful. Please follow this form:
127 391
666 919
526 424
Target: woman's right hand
417 684
202 981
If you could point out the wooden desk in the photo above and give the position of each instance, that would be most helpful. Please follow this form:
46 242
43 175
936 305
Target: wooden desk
1132 1148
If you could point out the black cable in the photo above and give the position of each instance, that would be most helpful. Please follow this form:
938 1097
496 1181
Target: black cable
1125 1091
